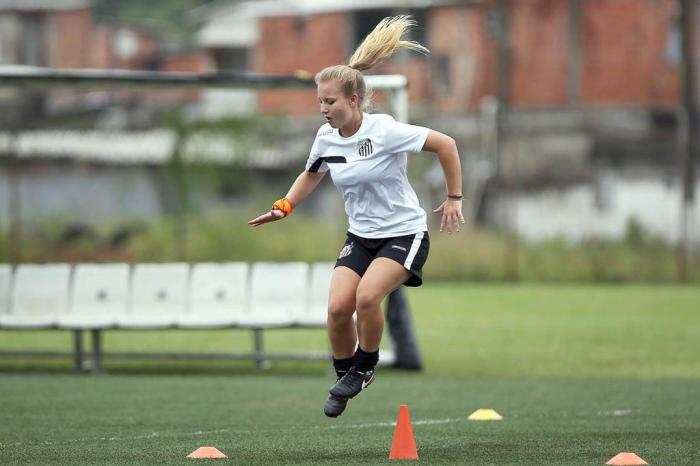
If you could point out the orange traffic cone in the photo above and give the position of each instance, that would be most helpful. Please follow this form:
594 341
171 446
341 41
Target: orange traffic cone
206 452
403 444
626 459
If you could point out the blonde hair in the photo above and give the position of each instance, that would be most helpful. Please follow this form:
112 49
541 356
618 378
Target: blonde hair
377 47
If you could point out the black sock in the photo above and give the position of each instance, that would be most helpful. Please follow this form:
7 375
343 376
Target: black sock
341 366
365 361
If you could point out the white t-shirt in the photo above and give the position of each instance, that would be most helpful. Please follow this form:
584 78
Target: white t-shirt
369 170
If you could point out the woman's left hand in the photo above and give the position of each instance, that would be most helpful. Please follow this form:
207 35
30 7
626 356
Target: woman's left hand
451 215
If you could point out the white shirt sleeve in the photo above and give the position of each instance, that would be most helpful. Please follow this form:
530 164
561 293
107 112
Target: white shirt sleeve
402 137
315 163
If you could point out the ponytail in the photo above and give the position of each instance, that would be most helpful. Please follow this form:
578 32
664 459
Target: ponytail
376 48
383 41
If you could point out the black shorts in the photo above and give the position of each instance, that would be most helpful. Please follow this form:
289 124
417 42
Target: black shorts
411 251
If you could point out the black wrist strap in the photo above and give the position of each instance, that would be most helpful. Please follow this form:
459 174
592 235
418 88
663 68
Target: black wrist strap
455 198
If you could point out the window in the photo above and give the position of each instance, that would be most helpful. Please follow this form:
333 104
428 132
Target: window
365 22
31 52
231 59
419 31
442 74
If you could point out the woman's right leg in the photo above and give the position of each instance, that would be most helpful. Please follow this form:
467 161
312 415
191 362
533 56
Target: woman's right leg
341 307
341 330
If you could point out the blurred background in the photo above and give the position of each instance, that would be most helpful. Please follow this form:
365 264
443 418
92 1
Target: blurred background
576 122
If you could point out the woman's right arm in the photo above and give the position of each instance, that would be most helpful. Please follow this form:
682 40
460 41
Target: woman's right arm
305 183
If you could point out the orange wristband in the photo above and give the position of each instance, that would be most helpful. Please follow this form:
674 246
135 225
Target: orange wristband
284 205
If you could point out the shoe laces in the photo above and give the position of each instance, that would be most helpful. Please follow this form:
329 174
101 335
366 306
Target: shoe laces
354 374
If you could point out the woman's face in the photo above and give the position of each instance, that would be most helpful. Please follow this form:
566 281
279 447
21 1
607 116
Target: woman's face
337 109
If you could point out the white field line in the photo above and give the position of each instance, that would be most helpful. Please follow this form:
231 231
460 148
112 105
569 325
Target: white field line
117 439
155 435
391 424
616 412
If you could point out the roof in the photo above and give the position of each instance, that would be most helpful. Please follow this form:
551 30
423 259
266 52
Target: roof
311 7
151 147
43 5
234 23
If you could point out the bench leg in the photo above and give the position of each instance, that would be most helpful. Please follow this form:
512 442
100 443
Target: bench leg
78 349
96 351
260 360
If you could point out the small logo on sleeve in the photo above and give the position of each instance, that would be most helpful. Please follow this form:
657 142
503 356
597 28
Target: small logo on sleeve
364 147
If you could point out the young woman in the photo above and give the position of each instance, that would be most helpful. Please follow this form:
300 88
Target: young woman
387 241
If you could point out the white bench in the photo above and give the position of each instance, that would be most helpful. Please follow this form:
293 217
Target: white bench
99 297
5 288
218 295
38 296
159 294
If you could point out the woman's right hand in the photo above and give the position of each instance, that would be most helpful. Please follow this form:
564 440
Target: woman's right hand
267 217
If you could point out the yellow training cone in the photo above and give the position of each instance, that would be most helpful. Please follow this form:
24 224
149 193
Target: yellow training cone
485 415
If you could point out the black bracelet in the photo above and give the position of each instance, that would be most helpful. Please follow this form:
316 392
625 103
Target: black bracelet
455 198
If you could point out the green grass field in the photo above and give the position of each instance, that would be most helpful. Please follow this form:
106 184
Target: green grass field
580 373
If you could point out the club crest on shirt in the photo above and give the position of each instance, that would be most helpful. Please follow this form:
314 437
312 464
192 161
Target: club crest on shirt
364 147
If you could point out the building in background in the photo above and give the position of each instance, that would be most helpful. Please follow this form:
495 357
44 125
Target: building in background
592 91
563 52
64 34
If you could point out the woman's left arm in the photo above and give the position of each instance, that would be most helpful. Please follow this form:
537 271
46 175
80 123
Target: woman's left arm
446 150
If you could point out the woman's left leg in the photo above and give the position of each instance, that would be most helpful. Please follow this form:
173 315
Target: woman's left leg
382 277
